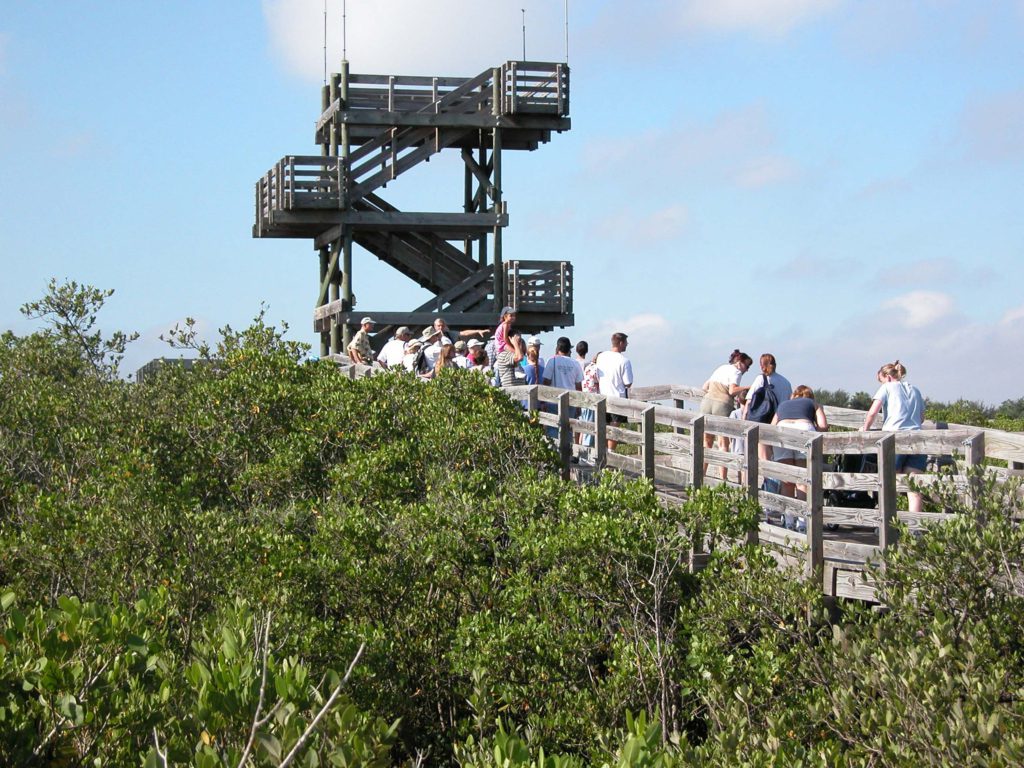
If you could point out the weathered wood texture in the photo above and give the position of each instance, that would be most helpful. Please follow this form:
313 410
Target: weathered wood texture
374 128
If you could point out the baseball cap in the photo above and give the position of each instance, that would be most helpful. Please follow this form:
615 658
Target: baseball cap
533 341
366 320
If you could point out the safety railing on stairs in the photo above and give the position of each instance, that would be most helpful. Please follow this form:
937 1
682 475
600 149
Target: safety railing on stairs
534 87
298 182
539 286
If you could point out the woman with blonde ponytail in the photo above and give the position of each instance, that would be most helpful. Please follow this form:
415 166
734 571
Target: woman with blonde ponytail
902 407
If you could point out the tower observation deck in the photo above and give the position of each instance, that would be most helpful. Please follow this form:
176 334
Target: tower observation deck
373 129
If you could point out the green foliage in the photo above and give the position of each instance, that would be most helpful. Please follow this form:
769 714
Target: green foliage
70 312
85 683
840 398
714 513
197 560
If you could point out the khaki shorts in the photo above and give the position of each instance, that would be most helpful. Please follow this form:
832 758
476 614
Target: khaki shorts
716 407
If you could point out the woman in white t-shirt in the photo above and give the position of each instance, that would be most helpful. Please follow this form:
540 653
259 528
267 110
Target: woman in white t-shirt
902 406
720 391
780 386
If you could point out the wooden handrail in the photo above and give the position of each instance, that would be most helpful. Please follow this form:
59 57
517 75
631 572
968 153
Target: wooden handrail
670 441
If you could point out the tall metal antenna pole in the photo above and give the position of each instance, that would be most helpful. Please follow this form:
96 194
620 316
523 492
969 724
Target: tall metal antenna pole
325 42
344 22
566 31
524 33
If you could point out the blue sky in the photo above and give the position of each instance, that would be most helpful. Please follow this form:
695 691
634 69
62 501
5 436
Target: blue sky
839 183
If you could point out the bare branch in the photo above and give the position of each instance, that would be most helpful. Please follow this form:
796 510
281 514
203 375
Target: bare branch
264 651
323 711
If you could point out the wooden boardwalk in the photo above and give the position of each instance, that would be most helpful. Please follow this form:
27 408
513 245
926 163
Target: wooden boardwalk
849 515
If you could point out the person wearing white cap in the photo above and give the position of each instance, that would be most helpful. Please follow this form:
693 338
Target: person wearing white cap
461 358
478 356
359 349
391 354
412 351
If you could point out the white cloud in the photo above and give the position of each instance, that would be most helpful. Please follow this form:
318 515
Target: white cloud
1013 317
442 37
651 336
921 308
940 271
766 171
765 17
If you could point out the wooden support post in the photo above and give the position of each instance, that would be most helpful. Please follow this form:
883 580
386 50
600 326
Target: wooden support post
532 399
346 280
468 204
325 254
647 427
499 275
697 453
887 492
325 338
333 293
564 433
815 516
496 108
337 345
974 449
343 150
482 241
601 433
974 455
751 440
752 481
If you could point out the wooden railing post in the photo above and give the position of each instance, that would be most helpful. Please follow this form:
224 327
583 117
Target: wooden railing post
751 440
647 427
815 515
697 453
974 449
974 455
887 492
532 398
601 433
564 434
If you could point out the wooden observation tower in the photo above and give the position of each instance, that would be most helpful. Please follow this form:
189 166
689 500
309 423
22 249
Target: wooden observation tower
374 128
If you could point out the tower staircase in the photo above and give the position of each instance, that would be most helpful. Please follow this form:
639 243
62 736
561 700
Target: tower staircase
374 128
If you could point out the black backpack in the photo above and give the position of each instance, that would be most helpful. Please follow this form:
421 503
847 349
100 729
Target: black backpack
763 403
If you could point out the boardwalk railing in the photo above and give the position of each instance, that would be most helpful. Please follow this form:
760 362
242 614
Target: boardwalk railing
850 481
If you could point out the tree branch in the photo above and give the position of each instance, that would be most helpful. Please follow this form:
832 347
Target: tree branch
323 711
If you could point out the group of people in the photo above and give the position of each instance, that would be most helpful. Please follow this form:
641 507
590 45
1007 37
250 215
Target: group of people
507 359
771 399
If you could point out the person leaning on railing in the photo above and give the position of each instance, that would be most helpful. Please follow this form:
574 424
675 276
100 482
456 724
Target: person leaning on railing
720 391
800 412
902 406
